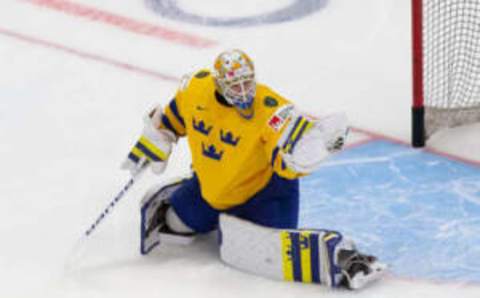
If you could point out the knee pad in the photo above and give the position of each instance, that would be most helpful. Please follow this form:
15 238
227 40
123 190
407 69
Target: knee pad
175 223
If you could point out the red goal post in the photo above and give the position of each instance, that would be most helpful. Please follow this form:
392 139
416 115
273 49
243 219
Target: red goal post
446 65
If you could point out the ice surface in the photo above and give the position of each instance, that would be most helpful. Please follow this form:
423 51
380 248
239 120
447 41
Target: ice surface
417 211
66 123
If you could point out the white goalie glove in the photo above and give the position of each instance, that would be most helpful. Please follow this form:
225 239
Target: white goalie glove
153 147
306 142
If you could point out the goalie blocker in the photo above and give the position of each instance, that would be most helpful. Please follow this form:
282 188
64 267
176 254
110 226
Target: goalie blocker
309 256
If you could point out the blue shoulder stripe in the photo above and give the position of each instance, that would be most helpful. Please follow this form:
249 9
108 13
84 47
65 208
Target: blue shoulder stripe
173 107
169 125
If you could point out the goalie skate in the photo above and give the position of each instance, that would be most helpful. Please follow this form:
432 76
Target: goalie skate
154 229
359 270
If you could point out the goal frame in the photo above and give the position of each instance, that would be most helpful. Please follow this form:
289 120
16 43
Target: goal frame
418 109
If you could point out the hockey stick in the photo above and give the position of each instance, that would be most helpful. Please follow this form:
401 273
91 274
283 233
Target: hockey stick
72 257
112 204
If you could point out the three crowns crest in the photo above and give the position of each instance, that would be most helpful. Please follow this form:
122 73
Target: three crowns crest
211 152
201 127
228 138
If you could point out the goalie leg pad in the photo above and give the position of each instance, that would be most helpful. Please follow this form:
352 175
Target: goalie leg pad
291 255
310 256
155 213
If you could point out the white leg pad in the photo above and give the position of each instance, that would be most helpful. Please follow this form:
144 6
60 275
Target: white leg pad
152 200
293 255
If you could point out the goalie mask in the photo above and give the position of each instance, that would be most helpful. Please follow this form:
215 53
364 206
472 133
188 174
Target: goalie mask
235 80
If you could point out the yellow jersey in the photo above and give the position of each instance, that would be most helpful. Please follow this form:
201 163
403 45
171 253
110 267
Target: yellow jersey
233 157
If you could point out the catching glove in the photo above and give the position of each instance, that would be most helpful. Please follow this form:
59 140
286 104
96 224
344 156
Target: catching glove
306 142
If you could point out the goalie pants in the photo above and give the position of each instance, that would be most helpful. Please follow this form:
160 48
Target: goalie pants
276 206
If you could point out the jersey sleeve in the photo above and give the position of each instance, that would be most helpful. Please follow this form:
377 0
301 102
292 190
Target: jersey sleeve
178 108
172 118
271 136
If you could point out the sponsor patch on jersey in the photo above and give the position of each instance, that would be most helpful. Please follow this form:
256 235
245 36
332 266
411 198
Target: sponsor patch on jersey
278 120
270 101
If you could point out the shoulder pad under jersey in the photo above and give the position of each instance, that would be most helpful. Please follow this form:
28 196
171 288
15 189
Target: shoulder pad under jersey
202 74
187 78
185 81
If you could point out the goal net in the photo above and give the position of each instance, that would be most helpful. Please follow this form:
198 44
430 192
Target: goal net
446 55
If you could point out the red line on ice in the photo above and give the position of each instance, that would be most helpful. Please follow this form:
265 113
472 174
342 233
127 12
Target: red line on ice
125 23
88 56
372 135
376 136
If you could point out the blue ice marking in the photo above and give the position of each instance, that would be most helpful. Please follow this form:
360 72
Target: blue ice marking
417 211
296 10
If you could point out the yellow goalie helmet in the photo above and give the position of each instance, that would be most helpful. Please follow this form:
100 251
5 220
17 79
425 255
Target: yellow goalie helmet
235 80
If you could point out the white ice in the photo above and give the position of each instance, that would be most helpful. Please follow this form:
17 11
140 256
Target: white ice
67 122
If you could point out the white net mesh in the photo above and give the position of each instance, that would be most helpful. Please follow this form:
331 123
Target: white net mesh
451 53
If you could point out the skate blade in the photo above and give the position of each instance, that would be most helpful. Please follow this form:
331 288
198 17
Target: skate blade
361 280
